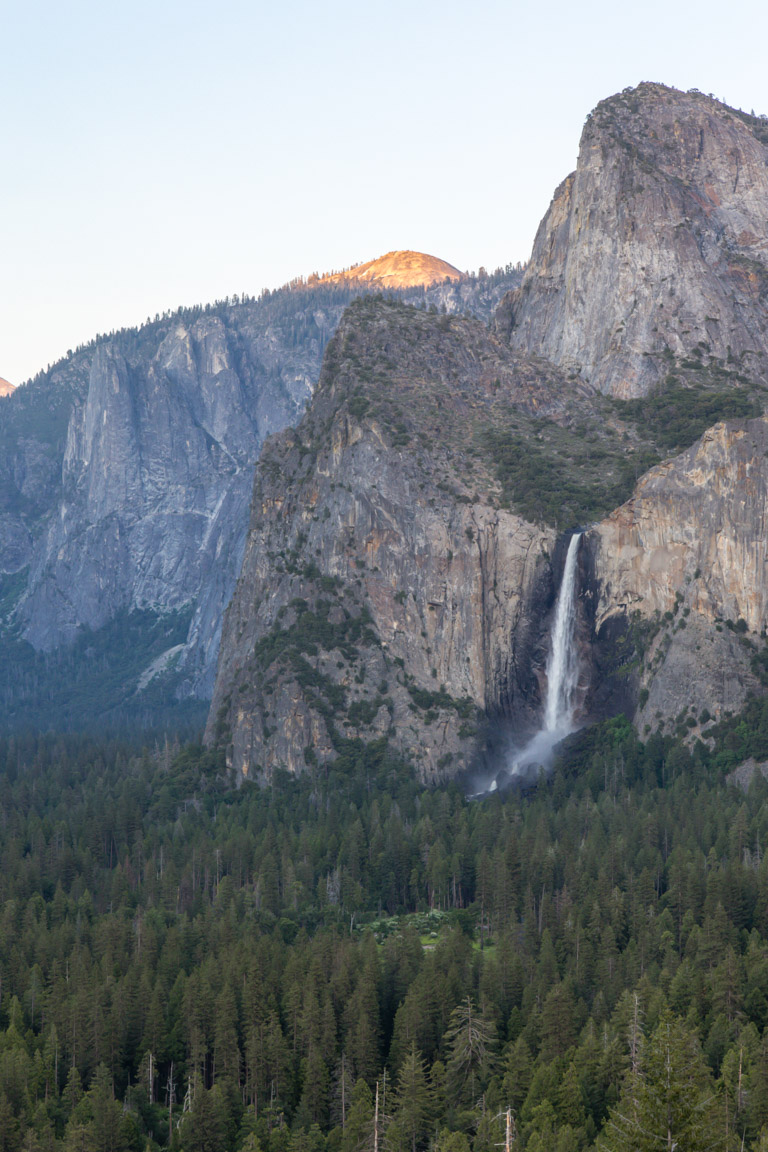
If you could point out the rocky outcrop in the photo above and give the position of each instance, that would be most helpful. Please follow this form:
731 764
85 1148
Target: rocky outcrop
683 564
384 593
696 521
743 776
655 248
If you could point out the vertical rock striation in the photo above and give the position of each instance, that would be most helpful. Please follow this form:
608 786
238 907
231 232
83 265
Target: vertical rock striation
156 478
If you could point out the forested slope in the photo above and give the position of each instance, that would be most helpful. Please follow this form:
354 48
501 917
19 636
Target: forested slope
264 958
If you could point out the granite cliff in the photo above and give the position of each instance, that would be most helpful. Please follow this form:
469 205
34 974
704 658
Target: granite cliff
392 591
655 248
682 568
382 582
395 585
407 538
125 482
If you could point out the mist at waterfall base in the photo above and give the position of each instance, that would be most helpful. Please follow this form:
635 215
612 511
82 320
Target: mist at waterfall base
558 719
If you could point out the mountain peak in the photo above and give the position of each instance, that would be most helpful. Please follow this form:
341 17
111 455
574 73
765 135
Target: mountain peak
6 388
400 269
655 248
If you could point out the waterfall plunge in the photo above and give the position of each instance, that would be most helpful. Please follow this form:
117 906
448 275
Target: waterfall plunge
562 676
562 665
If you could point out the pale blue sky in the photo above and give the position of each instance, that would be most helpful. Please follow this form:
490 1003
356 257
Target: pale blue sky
172 153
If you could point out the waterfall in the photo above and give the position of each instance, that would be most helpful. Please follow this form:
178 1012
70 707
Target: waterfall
562 676
562 665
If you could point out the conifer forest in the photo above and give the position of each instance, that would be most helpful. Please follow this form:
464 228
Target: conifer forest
347 961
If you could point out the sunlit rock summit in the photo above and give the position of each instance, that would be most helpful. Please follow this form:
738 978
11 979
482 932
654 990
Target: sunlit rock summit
402 269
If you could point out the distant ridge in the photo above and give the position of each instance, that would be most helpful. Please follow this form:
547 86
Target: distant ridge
402 269
6 387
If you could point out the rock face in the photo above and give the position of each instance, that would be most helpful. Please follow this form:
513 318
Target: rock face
5 387
156 475
743 776
697 519
402 556
685 560
655 247
126 470
384 594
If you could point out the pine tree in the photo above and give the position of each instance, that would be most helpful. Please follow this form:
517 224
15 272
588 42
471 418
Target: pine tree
313 1106
359 1119
669 1100
470 1039
99 1121
226 1051
559 1021
362 1016
207 1127
10 1140
518 1070
412 1104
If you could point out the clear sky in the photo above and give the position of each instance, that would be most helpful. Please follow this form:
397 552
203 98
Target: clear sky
175 152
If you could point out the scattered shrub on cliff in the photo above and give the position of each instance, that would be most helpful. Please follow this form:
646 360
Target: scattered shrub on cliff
358 406
676 416
312 631
364 712
561 479
430 701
